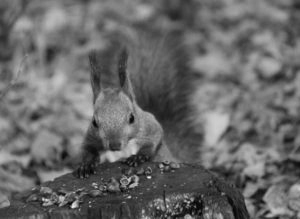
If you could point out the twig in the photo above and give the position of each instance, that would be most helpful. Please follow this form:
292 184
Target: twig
14 80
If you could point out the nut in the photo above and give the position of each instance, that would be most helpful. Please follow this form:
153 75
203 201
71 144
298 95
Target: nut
134 179
174 165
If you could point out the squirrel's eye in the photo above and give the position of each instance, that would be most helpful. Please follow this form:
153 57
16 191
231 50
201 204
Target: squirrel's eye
94 123
131 118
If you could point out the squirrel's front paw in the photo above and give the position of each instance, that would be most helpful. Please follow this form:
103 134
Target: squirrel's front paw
136 160
85 170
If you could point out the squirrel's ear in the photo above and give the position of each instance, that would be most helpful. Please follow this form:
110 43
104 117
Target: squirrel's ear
125 82
95 74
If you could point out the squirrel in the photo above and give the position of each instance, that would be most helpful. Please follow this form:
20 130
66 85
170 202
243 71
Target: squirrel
142 86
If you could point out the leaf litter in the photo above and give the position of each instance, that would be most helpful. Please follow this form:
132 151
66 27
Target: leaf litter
246 52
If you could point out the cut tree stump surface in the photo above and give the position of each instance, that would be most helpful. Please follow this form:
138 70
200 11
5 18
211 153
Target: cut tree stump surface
187 192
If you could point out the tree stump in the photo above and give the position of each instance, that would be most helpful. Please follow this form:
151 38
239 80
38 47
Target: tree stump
189 191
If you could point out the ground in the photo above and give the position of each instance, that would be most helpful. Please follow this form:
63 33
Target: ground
245 51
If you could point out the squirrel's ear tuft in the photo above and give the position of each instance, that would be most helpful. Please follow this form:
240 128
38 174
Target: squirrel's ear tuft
123 66
125 82
95 74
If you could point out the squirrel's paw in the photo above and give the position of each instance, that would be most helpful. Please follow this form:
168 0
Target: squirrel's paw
136 160
85 170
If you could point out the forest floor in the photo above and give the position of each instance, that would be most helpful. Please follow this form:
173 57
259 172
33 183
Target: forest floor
246 51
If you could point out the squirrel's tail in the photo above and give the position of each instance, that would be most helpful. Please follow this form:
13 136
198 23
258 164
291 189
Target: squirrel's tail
162 81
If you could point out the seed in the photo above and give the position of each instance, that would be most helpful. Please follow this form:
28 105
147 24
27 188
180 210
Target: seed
174 165
161 166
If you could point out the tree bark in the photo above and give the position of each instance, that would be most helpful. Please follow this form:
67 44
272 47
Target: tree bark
187 192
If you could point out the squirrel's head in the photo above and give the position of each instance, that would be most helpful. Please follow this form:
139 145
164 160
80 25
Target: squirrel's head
115 118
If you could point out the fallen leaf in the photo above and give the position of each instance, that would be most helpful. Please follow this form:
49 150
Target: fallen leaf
7 157
276 201
294 197
268 67
216 123
46 147
4 201
255 171
14 182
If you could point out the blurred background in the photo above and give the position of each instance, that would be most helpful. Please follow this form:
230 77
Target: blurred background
246 51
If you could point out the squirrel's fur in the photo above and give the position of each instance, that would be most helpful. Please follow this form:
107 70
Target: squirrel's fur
144 75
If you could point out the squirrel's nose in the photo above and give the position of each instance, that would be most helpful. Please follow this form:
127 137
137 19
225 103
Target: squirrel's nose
115 145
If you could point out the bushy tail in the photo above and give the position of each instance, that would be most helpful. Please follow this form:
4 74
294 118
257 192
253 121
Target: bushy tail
162 82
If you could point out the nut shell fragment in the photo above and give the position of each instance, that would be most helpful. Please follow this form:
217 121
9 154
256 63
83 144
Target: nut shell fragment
166 162
32 198
95 193
46 190
133 185
124 181
75 204
148 171
174 165
134 179
140 171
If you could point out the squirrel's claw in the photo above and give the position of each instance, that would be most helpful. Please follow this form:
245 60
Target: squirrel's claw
135 160
85 170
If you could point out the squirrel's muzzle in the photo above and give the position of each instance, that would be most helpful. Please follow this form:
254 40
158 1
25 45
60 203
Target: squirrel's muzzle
115 145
